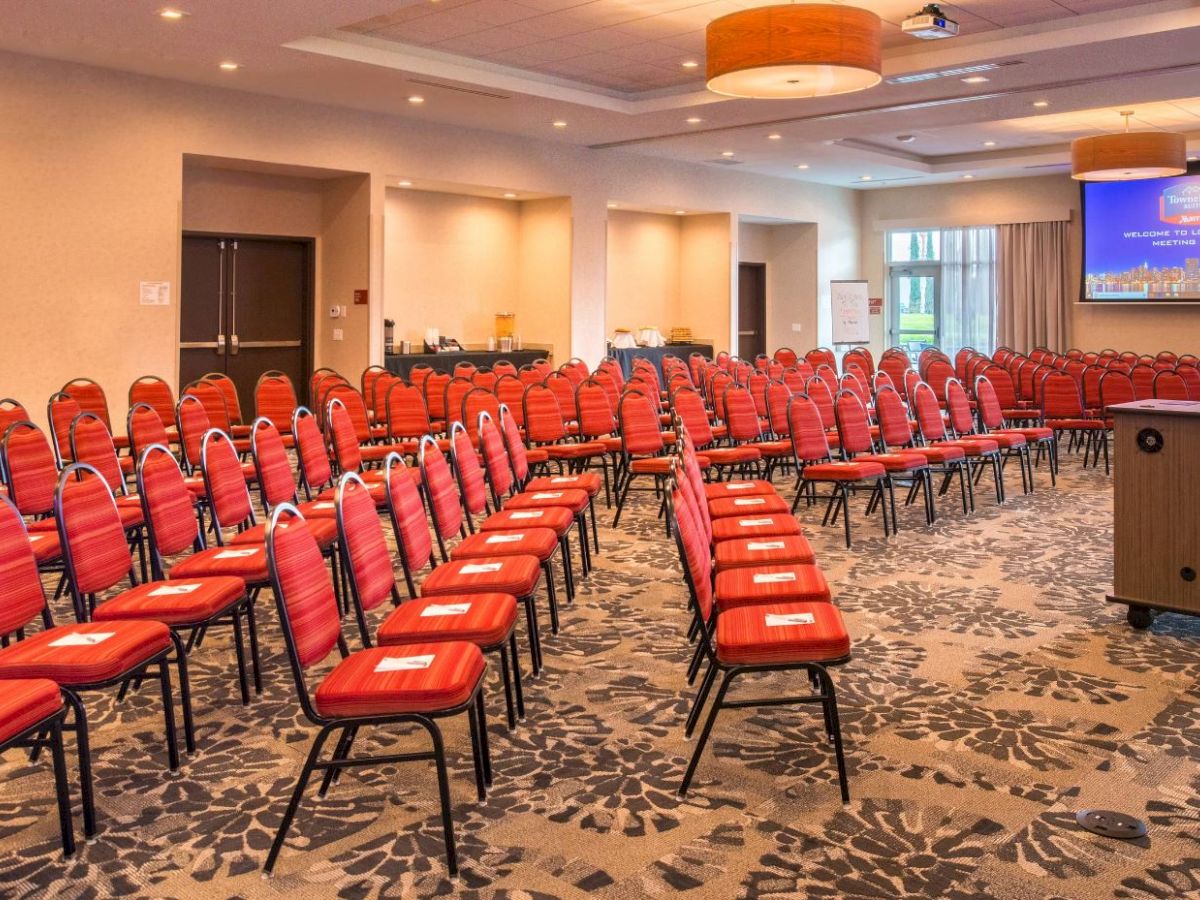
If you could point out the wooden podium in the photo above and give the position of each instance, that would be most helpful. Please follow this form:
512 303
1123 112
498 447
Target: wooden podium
1156 534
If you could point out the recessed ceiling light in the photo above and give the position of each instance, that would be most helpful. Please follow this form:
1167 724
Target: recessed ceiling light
559 124
864 177
416 99
989 143
172 15
694 120
968 177
404 183
510 196
230 66
802 166
612 206
681 212
1041 104
727 153
906 138
774 137
976 79
689 64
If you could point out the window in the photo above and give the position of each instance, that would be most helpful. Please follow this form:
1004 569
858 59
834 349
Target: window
942 289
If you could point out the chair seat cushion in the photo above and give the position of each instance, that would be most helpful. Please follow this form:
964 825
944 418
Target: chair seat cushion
195 484
318 509
1030 434
558 519
486 620
125 648
939 454
975 446
536 455
197 601
753 526
46 546
843 471
1007 439
322 528
770 584
24 702
782 633
1075 424
588 482
732 456
656 465
767 504
576 501
247 562
450 673
773 449
717 489
377 489
784 550
575 451
374 452
516 575
897 462
611 444
539 542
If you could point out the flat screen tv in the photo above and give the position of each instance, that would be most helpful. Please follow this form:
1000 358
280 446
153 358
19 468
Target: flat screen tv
1141 240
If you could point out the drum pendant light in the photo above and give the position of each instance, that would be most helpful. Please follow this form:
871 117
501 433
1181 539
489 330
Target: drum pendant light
1129 155
793 50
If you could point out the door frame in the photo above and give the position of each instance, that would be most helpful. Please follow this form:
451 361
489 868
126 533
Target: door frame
917 270
308 337
761 267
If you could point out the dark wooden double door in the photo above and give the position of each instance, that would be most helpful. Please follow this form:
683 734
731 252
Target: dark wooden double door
246 307
752 309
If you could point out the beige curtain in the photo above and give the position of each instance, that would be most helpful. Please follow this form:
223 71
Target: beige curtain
1033 287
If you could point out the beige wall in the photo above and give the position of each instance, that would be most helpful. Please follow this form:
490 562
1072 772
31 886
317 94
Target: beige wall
706 286
643 271
344 266
791 253
1144 329
231 201
544 275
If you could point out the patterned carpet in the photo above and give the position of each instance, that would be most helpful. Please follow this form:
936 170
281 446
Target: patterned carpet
992 694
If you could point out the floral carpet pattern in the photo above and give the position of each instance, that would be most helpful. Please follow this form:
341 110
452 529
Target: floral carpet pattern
991 695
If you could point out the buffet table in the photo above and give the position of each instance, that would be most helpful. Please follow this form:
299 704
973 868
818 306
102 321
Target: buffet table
401 363
625 356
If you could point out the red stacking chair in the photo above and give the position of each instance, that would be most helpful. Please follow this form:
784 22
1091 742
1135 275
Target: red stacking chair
1062 410
233 406
896 434
932 429
1170 385
991 417
157 394
487 620
275 399
775 634
504 367
381 686
1143 381
821 356
1191 377
417 374
1010 444
512 574
78 658
61 411
815 465
476 402
510 391
92 444
407 416
819 391
216 406
32 713
785 356
145 428
276 481
345 434
366 382
745 427
376 399
452 398
31 476
434 385
545 429
642 446
688 405
194 424
1116 387
598 425
91 399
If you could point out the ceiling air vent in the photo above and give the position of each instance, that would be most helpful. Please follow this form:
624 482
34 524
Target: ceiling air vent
957 72
491 95
726 162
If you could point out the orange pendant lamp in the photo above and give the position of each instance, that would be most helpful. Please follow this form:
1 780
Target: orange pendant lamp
794 50
1129 155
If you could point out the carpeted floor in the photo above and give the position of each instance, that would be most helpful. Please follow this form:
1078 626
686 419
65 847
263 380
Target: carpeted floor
992 693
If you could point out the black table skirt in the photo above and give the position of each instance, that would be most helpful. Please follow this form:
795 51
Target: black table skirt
625 356
401 363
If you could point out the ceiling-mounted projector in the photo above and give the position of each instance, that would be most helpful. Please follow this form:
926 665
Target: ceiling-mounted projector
930 24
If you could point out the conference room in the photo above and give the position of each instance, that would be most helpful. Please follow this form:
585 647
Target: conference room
616 448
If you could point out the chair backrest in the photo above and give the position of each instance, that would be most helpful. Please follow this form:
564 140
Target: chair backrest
90 397
892 416
229 392
1143 381
445 504
855 381
61 411
778 394
595 409
320 375
144 427
514 444
853 424
276 483
407 513
212 398
741 416
475 402
785 356
929 415
193 422
456 389
275 399
1116 387
1166 356
543 415
495 457
640 434
472 483
579 366
366 382
91 443
757 383
29 468
356 410
991 413
435 394
1060 396
911 380
694 553
937 373
564 392
342 436
821 356
504 367
958 405
1191 377
687 403
22 597
1002 386
1169 385
363 547
417 374
485 378
376 399
228 497
809 441
95 554
157 394
464 369
167 505
325 387
895 364
407 415
1188 359
510 391
821 393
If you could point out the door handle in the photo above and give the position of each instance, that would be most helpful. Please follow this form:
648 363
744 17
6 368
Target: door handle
264 345
220 345
234 346
233 338
747 333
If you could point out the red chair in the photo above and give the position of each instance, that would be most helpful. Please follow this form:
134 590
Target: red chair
1143 381
395 685
598 425
145 428
61 411
510 391
213 398
376 397
1170 385
487 620
275 399
642 446
276 481
366 382
933 431
91 399
233 406
1009 444
1191 377
157 394
896 433
194 424
545 429
452 398
475 403
1062 410
775 635
991 417
407 416
344 414
821 356
785 356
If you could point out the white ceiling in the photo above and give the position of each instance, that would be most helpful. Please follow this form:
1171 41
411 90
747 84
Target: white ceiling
612 70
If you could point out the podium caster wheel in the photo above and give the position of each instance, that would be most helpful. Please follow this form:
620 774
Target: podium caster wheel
1140 617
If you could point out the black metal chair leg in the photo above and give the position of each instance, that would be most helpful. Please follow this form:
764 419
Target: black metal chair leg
516 668
61 791
708 724
298 793
164 675
706 683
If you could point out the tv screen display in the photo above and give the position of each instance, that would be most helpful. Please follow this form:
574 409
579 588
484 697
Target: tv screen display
1141 240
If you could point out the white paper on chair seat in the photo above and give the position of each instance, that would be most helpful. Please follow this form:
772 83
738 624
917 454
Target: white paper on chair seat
35 537
446 609
324 504
236 554
168 589
750 523
504 538
528 514
78 639
739 486
750 501
765 545
556 495
564 479
481 568
789 619
404 663
774 577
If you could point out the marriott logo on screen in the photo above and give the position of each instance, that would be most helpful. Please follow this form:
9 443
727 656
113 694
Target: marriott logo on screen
1180 205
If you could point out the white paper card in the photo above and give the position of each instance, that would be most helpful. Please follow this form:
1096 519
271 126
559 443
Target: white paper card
78 639
750 523
765 545
404 663
774 621
323 505
739 486
236 554
564 479
528 514
36 537
481 568
774 577
548 496
447 609
504 538
168 589
750 501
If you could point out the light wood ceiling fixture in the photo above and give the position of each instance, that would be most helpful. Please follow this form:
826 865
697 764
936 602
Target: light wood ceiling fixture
1128 155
